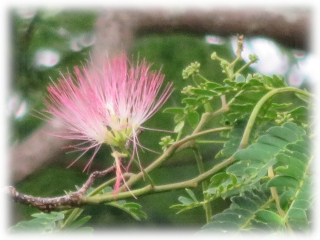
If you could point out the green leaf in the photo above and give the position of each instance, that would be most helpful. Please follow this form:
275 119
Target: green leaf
286 198
242 213
302 204
260 194
85 230
297 147
178 118
29 226
229 217
268 217
80 222
174 110
212 85
190 101
52 216
179 126
275 81
268 149
280 105
296 156
286 158
253 83
240 78
251 96
264 170
42 222
303 97
131 208
218 178
185 201
297 213
290 170
261 227
204 92
301 225
221 226
256 198
283 181
132 205
252 154
224 89
283 133
233 179
300 114
245 203
272 140
193 118
191 194
241 107
202 99
295 128
237 168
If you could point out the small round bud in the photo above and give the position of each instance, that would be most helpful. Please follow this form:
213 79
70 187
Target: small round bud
214 56
253 58
166 142
187 90
224 64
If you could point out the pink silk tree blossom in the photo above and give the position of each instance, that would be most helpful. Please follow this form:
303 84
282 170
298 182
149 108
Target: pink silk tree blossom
107 105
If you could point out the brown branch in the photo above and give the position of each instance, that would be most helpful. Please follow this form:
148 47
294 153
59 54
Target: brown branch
67 201
290 27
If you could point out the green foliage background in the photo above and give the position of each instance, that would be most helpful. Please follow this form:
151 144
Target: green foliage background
171 52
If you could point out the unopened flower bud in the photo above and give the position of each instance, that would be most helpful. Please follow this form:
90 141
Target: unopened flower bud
253 58
192 69
214 56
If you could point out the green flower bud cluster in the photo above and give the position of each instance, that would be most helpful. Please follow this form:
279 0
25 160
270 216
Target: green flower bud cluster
166 142
283 117
253 58
187 90
191 70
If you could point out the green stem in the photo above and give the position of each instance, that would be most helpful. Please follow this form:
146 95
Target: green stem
234 98
255 111
274 194
203 78
205 117
243 67
210 142
144 172
276 198
179 135
207 205
107 197
170 151
105 184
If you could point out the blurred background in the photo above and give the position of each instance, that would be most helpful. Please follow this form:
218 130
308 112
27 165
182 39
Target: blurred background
47 42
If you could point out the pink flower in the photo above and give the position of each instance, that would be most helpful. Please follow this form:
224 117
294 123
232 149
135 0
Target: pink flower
107 105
